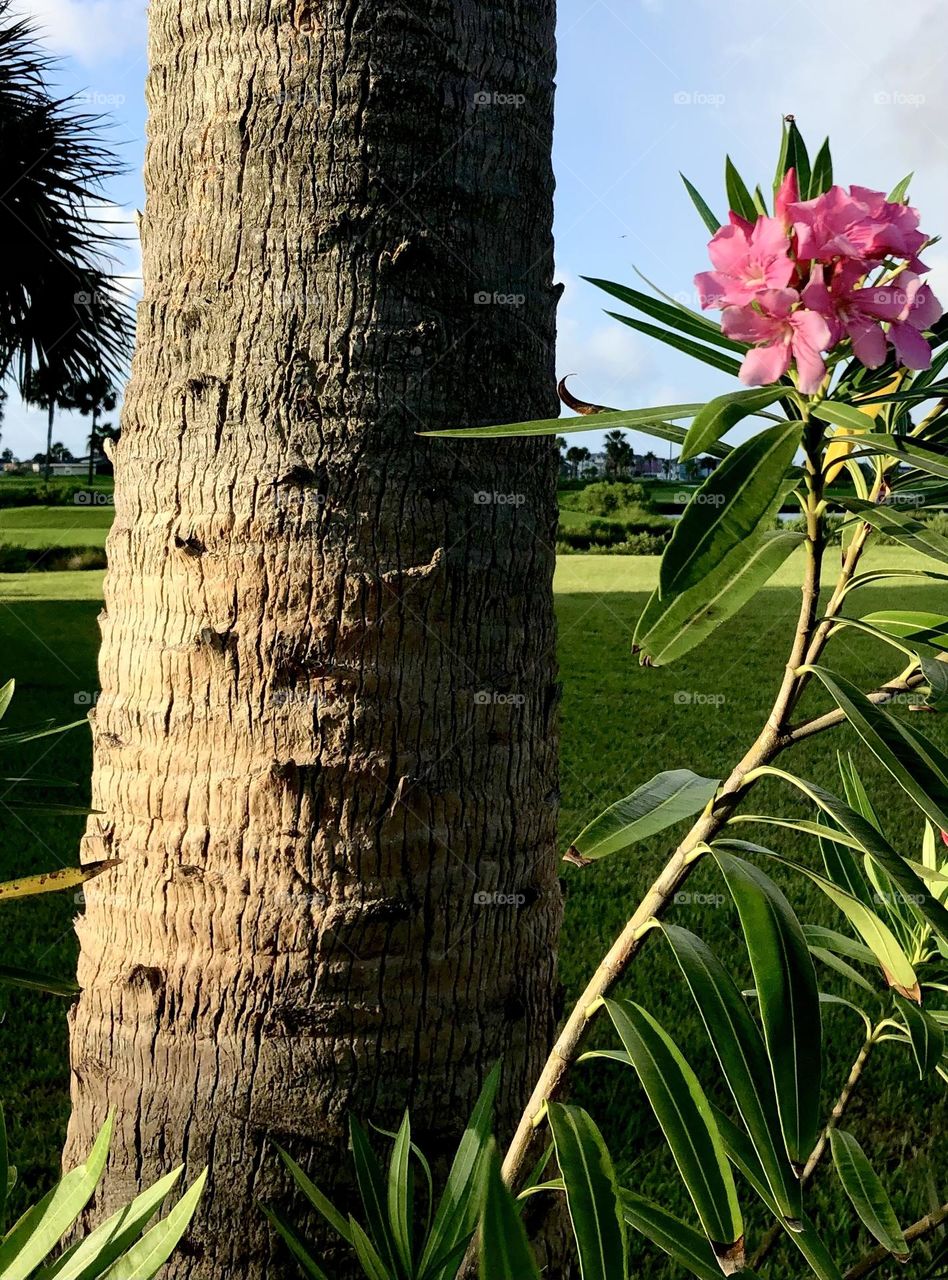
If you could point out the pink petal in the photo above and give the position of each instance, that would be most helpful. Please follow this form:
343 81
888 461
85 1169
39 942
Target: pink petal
727 249
767 364
711 289
787 194
744 324
810 327
869 343
911 348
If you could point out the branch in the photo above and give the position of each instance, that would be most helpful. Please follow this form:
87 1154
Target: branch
923 1227
832 718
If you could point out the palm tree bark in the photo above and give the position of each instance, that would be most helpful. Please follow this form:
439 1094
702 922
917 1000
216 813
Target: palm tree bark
325 745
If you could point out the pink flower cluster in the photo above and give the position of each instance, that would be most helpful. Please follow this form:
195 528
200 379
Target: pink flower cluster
795 285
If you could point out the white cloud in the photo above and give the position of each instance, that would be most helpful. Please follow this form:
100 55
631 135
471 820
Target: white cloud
93 31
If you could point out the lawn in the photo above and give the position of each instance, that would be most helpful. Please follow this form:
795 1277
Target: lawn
621 723
75 526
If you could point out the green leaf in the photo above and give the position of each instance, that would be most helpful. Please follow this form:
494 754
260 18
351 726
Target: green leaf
458 1209
874 932
899 193
728 506
936 677
146 1258
782 161
789 999
872 842
926 1035
4 1172
917 764
366 1252
915 626
660 803
804 1235
866 1192
372 1191
932 462
632 418
739 198
320 1203
294 1242
841 415
685 1117
39 1229
678 1239
710 220
741 1054
697 350
592 1193
724 412
798 159
6 697
399 1194
51 881
32 981
822 177
89 1257
672 314
901 526
669 628
505 1253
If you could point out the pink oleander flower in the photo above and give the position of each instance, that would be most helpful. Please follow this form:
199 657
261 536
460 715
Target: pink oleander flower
782 332
856 311
748 258
859 224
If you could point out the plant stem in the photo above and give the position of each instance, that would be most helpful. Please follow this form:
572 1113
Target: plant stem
768 745
773 1234
923 1227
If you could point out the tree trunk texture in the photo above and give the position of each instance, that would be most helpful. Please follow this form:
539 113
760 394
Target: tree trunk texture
326 741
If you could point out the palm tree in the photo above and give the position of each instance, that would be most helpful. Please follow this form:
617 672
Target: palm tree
93 396
619 454
576 456
325 746
59 308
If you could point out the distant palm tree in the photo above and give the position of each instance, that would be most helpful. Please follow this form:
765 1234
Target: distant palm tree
61 314
92 397
619 454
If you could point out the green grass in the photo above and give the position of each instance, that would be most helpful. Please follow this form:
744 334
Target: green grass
76 526
621 723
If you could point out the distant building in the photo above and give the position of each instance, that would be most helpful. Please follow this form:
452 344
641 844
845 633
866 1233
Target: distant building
76 468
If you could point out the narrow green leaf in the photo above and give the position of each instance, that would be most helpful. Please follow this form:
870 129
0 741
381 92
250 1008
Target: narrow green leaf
782 160
803 1234
33 981
822 177
320 1203
592 1193
294 1242
678 1239
841 415
907 529
933 462
4 1172
914 626
739 198
146 1258
90 1256
660 803
728 506
798 159
372 1191
636 419
6 697
866 1192
741 1054
899 193
669 628
672 314
399 1194
40 1229
51 881
917 764
685 1117
458 1209
505 1253
697 350
789 999
724 412
710 220
368 1255
927 1037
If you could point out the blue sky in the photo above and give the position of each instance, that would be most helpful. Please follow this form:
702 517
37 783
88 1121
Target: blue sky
645 88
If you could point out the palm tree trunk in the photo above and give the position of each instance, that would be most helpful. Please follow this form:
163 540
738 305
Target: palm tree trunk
50 419
325 746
